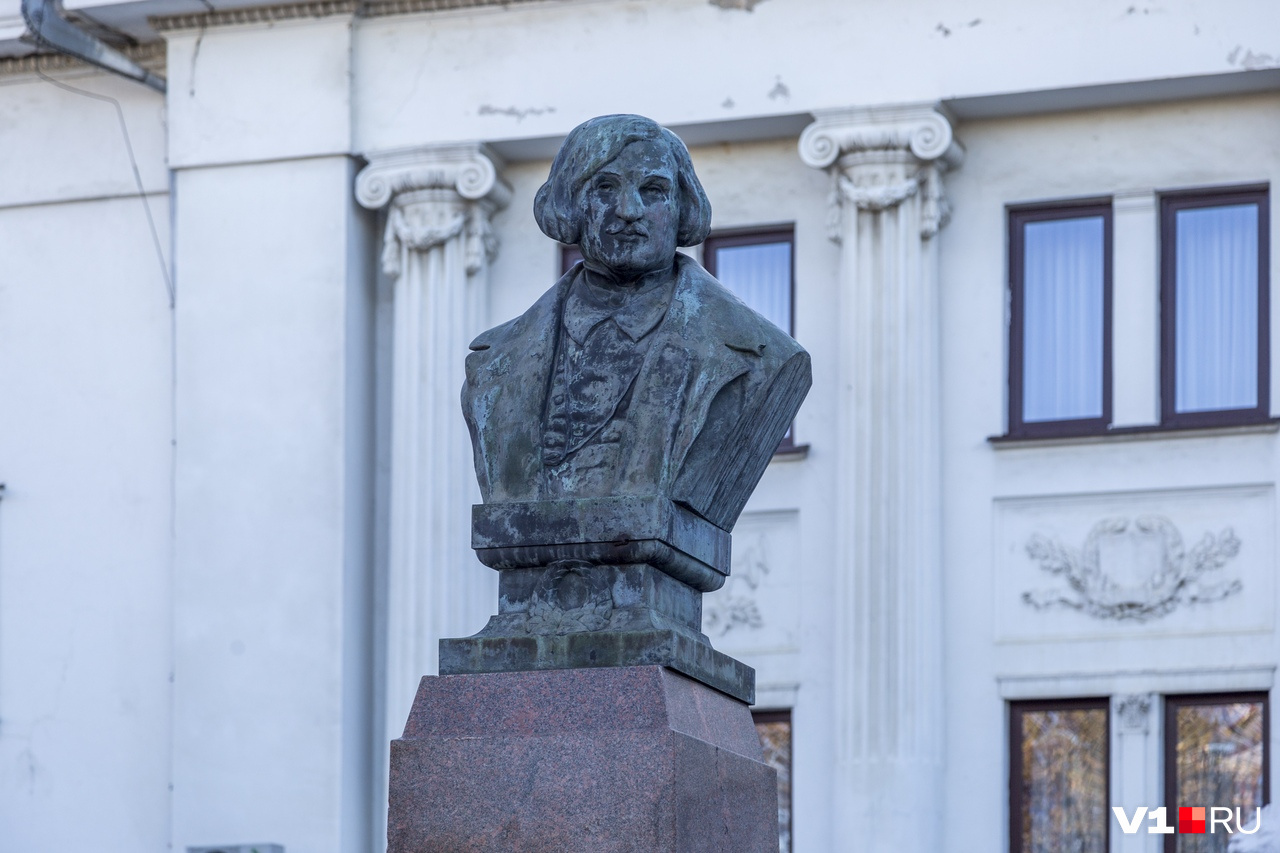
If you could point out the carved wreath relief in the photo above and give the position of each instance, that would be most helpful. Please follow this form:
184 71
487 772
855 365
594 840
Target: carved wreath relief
569 599
1135 570
734 606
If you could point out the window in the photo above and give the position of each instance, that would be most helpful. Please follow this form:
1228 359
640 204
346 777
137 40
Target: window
774 728
1059 776
1214 305
758 266
1060 319
1215 755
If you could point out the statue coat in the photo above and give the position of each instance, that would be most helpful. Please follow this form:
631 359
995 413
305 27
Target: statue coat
716 392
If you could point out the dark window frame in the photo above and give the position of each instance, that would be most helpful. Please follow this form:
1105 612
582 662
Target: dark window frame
1016 709
754 236
782 715
1169 748
732 237
1018 217
1170 203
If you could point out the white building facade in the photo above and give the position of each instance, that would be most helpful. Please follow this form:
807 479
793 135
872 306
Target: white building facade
1015 565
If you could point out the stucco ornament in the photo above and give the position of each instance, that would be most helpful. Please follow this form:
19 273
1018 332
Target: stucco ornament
1166 576
881 157
568 598
1133 712
434 195
620 424
736 606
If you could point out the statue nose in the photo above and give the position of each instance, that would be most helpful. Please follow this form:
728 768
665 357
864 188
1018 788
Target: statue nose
630 207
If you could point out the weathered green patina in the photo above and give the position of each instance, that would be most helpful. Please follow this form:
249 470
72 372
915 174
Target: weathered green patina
620 424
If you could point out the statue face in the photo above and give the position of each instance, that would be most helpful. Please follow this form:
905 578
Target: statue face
633 211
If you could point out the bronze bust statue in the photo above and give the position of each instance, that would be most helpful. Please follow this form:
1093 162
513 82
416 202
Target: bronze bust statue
620 424
637 373
618 427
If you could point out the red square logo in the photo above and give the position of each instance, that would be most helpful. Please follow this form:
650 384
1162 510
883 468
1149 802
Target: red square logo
1191 819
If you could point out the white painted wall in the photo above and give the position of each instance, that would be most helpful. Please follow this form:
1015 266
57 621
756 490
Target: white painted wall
273 505
275 576
61 145
994 498
250 93
527 71
85 451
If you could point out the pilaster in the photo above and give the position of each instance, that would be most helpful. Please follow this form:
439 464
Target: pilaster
887 206
271 579
1130 745
436 249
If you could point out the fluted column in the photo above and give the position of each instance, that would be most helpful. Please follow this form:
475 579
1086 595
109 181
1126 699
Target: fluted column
887 205
436 249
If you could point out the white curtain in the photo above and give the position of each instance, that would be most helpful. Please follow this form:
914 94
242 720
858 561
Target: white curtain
1062 319
760 275
1216 364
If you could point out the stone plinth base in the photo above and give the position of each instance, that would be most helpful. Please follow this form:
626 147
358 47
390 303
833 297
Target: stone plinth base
594 760
568 616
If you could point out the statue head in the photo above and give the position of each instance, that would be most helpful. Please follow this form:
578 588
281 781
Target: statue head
623 189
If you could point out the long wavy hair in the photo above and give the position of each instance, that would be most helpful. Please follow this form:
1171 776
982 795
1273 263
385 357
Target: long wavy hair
559 207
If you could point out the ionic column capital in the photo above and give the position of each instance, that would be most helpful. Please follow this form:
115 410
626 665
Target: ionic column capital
436 193
879 157
469 169
923 130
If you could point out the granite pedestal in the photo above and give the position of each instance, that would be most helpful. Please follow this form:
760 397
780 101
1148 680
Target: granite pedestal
603 760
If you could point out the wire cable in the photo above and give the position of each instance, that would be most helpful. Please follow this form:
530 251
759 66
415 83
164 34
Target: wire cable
137 176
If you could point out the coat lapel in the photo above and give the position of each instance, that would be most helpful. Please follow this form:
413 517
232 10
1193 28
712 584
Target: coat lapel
695 354
508 373
711 360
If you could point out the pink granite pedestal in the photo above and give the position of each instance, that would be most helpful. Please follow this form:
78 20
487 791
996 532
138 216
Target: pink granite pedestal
637 759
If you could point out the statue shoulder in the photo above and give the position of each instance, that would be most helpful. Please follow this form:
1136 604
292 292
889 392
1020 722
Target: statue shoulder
486 340
731 320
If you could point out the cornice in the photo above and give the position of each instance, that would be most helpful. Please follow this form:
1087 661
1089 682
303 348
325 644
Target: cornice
317 9
469 169
382 8
924 130
253 15
150 56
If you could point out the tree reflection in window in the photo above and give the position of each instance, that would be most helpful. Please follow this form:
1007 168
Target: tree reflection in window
1218 759
1058 776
